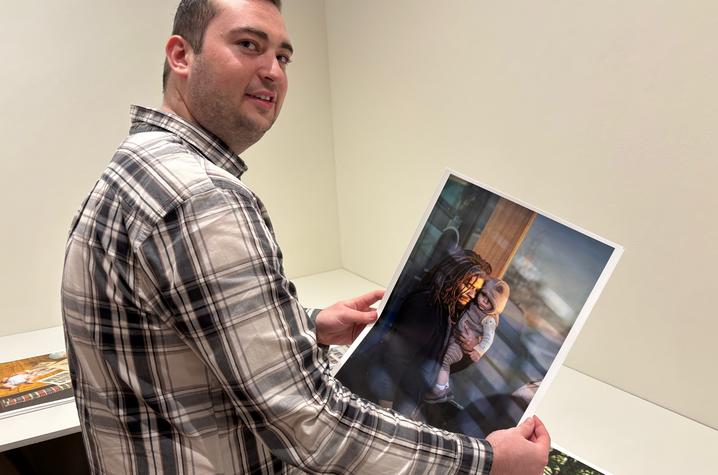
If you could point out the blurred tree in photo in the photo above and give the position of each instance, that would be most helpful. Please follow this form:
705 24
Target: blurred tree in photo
561 464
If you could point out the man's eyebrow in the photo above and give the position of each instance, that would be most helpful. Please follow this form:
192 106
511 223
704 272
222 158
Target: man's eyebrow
262 34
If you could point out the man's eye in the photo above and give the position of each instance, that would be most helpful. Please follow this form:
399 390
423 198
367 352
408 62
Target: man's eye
284 59
250 45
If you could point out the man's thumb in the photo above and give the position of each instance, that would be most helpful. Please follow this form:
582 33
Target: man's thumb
526 428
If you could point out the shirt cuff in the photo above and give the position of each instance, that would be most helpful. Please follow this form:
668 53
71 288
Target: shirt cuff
312 314
479 460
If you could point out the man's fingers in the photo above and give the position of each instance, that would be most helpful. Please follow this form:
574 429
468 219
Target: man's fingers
541 435
526 428
366 300
359 316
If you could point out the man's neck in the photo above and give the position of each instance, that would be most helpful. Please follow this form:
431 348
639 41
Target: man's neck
176 106
172 102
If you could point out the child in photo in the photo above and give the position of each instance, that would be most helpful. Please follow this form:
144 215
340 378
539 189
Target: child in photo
478 321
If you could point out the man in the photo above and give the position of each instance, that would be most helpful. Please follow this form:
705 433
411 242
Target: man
190 352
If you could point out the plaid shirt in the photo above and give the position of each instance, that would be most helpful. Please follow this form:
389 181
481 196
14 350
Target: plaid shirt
189 350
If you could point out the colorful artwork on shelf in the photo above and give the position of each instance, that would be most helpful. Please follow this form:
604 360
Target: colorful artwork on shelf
35 382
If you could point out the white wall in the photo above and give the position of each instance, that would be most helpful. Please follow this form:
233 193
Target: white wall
70 71
602 113
292 167
599 112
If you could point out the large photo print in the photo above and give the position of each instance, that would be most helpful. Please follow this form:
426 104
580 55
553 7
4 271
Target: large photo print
488 300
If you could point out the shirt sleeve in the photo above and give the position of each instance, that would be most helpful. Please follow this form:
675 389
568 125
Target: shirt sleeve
489 324
312 316
312 313
219 276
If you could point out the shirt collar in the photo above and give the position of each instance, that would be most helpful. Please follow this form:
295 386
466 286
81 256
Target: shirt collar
216 151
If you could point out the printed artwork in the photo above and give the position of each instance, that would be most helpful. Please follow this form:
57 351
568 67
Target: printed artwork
33 382
481 312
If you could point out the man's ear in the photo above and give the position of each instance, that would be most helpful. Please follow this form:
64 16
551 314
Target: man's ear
179 55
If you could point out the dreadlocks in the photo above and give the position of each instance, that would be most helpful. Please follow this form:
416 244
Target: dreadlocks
446 279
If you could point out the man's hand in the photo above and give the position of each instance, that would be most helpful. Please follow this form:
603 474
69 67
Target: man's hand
522 450
341 323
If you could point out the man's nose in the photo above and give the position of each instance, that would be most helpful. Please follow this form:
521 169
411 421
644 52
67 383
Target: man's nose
272 70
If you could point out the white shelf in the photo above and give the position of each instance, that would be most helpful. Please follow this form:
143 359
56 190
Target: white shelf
597 422
624 434
322 290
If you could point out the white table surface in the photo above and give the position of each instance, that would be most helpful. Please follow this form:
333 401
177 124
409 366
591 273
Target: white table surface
599 423
624 434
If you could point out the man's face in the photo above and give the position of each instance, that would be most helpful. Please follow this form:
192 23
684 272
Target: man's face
237 83
469 288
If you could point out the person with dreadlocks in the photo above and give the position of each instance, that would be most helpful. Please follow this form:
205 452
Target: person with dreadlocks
415 345
478 322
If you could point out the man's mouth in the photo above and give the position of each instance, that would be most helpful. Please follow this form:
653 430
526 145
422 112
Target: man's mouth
264 100
263 97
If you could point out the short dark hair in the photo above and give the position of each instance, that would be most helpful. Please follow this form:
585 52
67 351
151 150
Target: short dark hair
191 20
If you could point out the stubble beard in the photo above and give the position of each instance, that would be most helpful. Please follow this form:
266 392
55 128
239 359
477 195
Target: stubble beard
229 124
219 113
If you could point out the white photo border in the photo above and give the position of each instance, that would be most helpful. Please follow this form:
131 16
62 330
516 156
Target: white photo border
575 327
